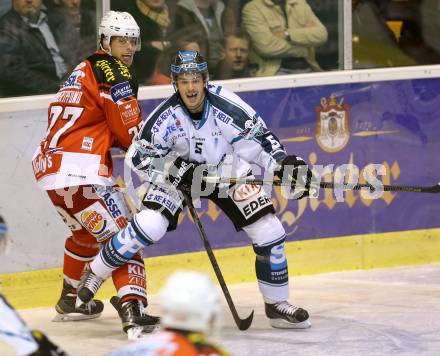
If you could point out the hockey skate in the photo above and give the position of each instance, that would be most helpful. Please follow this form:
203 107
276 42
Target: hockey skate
87 288
135 320
67 311
284 315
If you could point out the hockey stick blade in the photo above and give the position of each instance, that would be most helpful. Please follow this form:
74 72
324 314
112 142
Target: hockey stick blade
242 324
328 185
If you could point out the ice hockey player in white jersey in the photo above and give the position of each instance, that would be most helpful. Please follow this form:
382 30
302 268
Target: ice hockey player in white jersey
13 330
205 128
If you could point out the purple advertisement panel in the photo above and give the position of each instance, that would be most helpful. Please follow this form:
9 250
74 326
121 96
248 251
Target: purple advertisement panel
394 124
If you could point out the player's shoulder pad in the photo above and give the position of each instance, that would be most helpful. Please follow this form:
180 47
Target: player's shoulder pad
111 72
229 108
159 116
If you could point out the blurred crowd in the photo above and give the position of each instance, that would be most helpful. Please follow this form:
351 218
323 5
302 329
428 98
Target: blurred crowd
42 39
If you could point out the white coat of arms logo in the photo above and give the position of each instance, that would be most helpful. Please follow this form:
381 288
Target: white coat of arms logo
332 126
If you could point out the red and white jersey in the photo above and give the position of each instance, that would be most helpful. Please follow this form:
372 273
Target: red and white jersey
171 343
95 109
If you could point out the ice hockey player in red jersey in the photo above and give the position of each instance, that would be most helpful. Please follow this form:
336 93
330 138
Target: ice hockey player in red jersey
95 109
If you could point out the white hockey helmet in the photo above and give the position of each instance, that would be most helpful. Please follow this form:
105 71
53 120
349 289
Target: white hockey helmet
190 301
117 23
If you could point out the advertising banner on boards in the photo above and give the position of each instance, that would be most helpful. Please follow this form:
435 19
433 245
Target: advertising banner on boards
388 129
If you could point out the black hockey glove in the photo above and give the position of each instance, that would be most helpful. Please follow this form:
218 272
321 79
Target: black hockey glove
181 174
45 346
299 175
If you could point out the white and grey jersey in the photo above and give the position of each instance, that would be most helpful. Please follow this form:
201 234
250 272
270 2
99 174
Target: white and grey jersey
229 137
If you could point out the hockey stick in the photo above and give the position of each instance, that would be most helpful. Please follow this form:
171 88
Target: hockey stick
328 185
242 324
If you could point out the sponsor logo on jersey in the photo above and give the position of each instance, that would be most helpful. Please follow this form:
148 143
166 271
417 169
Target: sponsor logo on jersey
121 91
93 222
129 111
162 117
97 221
256 205
46 164
252 128
169 130
87 143
245 191
332 127
104 65
216 133
74 81
221 116
69 96
123 69
163 198
249 199
115 210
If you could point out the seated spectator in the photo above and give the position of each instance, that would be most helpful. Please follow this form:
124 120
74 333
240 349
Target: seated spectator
82 15
374 44
37 49
155 23
200 20
284 34
161 73
235 57
411 39
231 17
430 13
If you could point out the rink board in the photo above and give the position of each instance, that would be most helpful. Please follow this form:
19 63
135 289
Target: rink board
393 124
41 288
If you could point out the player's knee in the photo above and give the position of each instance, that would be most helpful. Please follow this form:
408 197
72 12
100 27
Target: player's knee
271 249
265 230
150 225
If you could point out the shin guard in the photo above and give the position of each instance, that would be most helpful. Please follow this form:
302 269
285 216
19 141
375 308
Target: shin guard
271 270
76 256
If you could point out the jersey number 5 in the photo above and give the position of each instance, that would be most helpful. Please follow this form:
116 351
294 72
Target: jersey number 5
68 113
198 148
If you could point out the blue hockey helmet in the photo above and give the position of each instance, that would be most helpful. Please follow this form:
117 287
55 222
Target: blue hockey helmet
189 62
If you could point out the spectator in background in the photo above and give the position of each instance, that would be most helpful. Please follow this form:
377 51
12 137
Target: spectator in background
200 21
161 75
154 21
284 35
430 13
82 16
38 47
231 17
374 44
411 39
235 56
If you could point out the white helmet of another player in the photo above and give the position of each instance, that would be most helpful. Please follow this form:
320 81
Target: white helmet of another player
190 301
117 23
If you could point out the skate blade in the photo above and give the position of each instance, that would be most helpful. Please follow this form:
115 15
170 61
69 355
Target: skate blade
74 317
284 324
140 332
